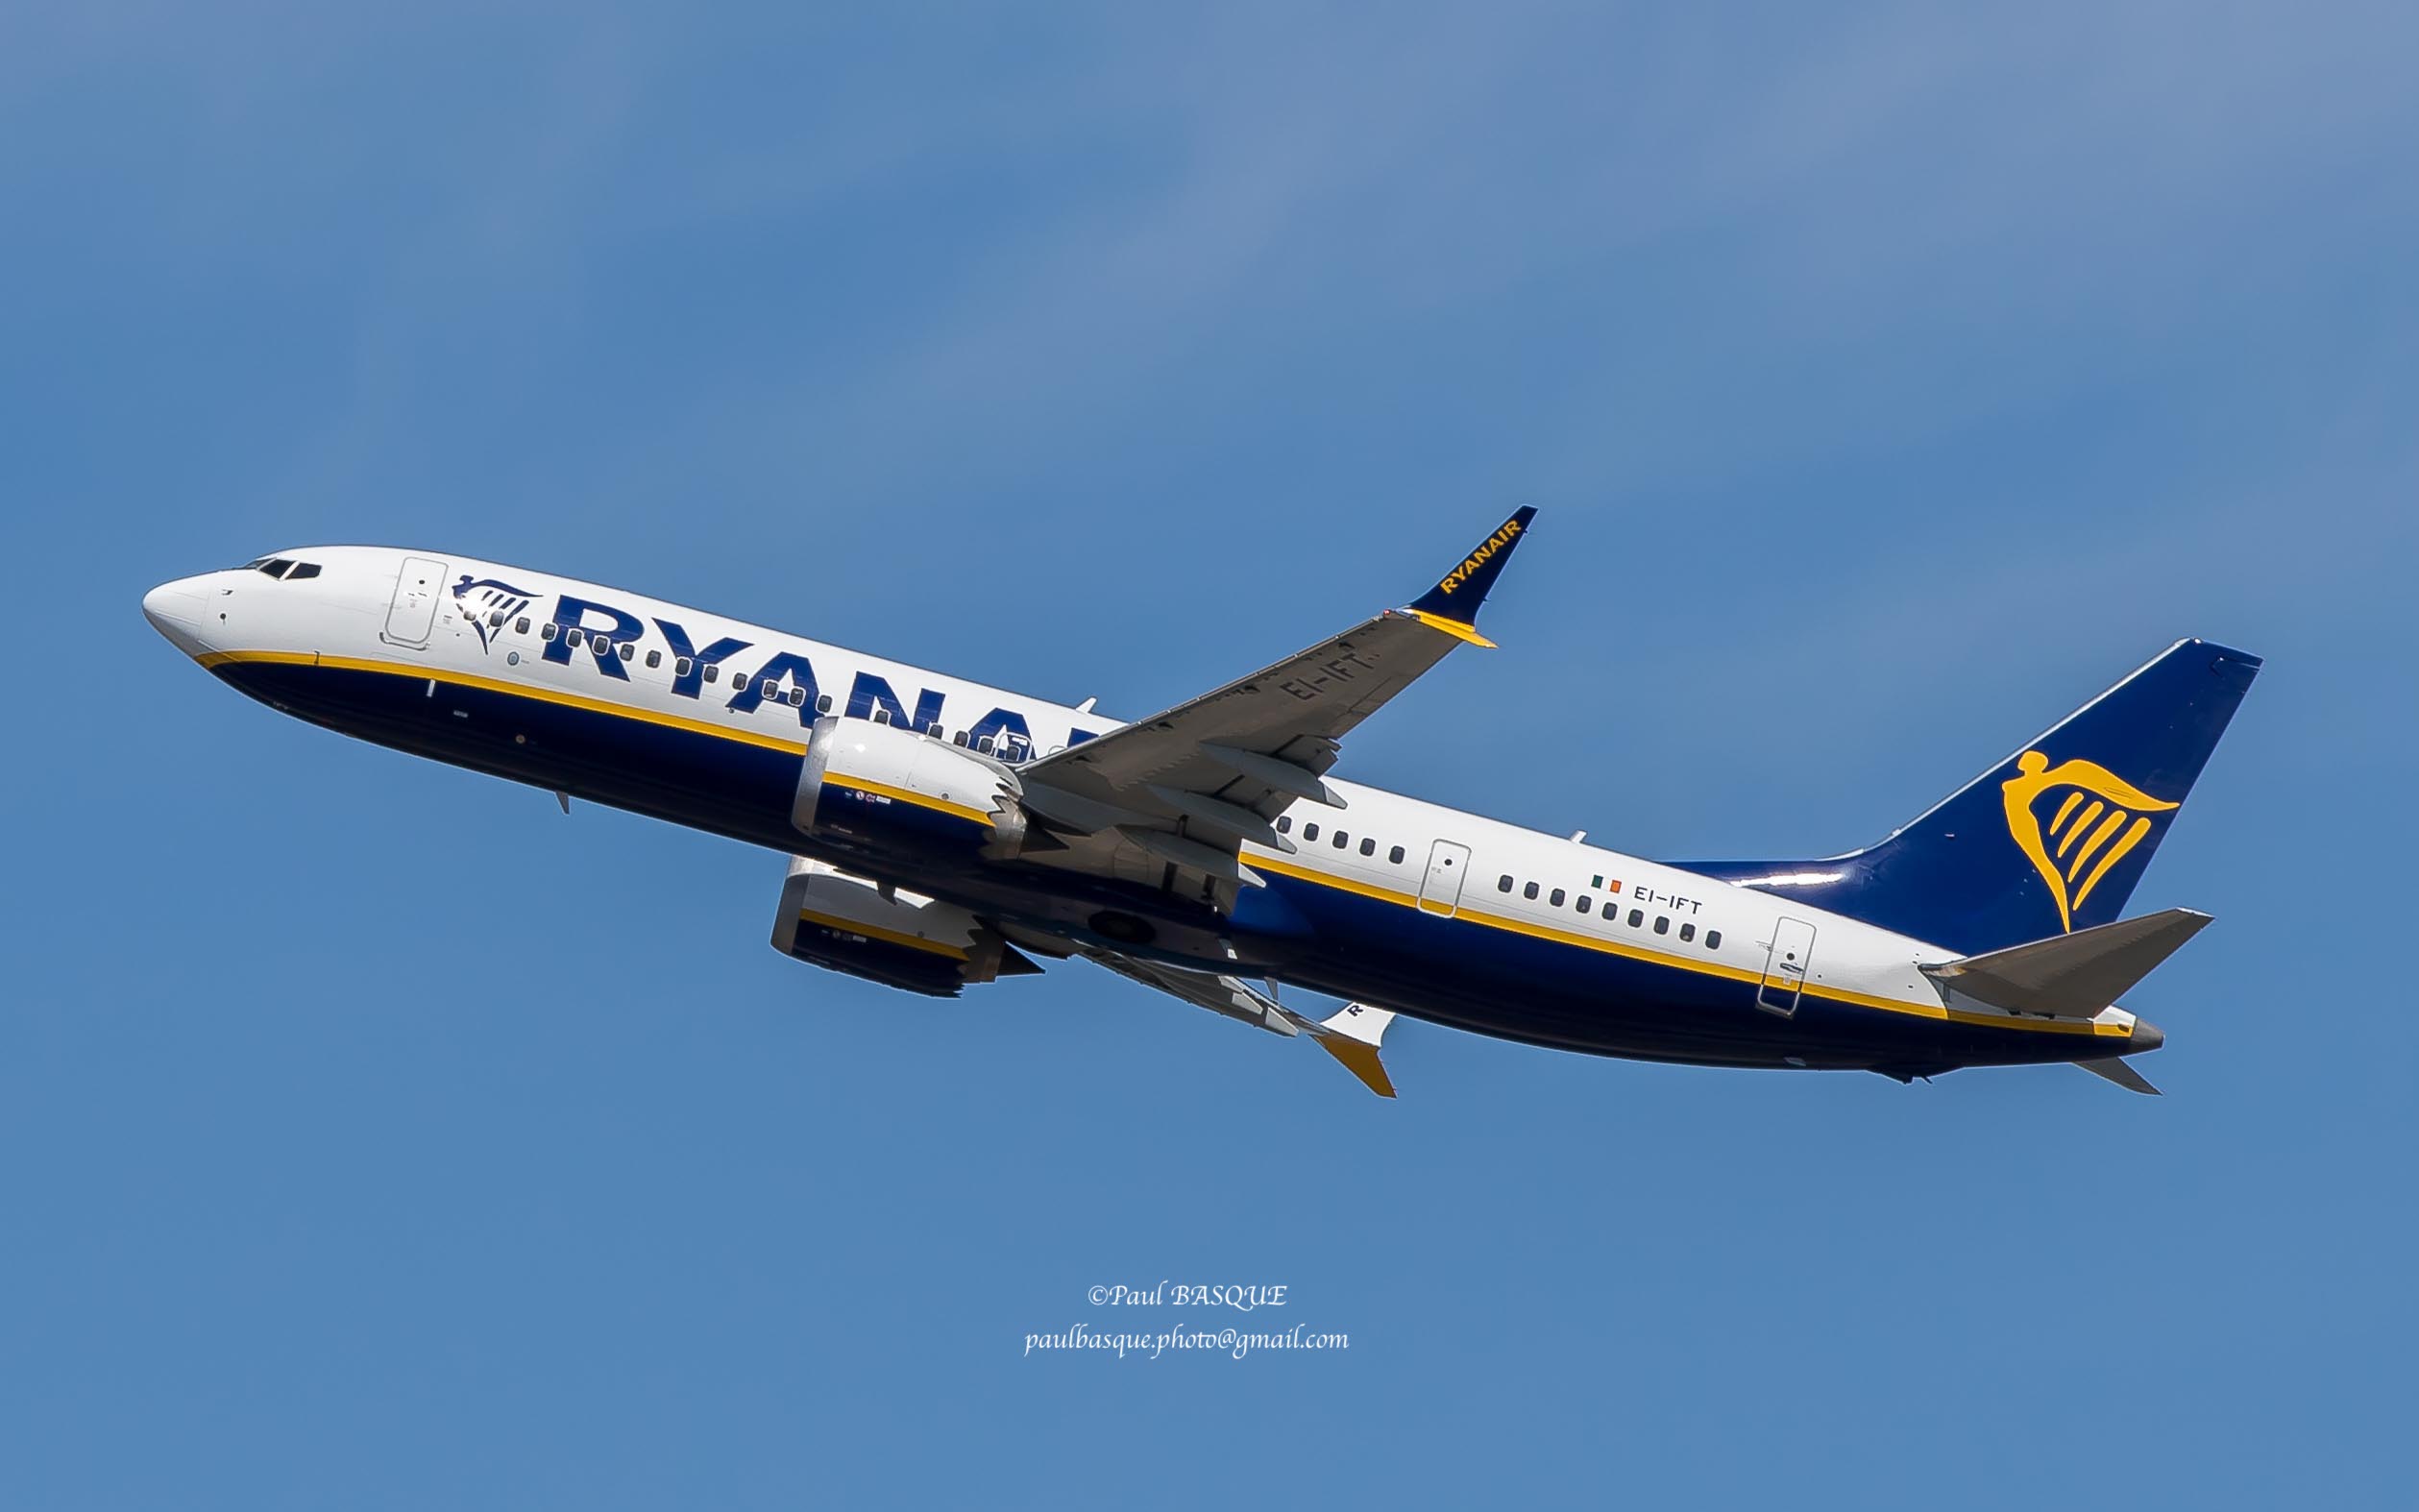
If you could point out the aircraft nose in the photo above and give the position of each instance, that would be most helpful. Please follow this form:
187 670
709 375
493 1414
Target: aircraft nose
177 610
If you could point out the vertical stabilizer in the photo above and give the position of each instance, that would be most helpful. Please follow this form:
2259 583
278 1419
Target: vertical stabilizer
2051 840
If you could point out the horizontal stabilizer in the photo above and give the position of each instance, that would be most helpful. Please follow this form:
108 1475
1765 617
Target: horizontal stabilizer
2071 976
2118 1069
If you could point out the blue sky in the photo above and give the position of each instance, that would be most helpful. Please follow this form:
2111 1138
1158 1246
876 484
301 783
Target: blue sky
1891 380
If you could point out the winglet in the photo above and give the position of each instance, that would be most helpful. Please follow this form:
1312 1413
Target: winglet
1351 1037
1453 604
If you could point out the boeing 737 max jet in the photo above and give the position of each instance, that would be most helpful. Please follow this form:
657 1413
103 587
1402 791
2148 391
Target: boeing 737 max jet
943 833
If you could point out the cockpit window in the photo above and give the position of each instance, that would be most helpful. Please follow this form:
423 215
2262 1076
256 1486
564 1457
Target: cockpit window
302 570
274 567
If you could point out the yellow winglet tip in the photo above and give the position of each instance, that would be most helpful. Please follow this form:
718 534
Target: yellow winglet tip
1361 1060
1453 628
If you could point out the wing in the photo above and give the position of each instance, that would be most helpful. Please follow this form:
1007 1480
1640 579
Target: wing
1190 784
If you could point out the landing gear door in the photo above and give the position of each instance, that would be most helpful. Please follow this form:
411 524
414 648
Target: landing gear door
413 612
1440 891
1785 968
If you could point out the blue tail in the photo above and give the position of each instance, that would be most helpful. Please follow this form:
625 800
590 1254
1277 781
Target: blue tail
2050 840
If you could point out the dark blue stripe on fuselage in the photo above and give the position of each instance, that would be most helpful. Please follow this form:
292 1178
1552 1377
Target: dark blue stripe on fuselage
1486 980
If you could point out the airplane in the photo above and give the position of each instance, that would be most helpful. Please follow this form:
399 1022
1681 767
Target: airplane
942 835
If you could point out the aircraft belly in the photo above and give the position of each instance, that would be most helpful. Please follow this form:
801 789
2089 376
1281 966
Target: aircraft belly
1493 981
1457 972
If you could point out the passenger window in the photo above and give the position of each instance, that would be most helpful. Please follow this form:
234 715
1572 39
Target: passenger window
1637 916
495 620
1504 884
682 667
1368 846
959 737
654 658
1555 897
713 671
520 626
550 631
1529 891
1713 939
1688 932
1310 832
798 697
769 689
629 649
1395 855
1663 924
823 705
1285 824
1586 904
571 638
1341 840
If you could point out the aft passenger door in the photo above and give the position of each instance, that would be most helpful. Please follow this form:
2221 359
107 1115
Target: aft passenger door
1440 890
413 611
1785 968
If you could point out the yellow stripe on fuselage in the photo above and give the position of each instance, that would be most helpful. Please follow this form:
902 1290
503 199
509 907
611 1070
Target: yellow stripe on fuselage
537 691
1284 868
1711 968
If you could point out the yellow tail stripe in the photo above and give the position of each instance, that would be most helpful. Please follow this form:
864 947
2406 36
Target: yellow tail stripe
2065 809
2100 837
2116 854
2081 824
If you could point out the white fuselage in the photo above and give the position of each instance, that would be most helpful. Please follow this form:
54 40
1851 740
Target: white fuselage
495 628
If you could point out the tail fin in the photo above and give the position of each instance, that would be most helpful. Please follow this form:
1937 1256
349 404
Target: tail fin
2053 839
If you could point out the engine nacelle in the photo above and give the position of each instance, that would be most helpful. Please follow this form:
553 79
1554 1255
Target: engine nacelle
879 787
832 919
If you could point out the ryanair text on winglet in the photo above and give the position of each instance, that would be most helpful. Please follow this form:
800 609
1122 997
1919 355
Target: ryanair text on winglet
1492 544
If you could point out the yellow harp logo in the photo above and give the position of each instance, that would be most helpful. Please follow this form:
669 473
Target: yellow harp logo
2094 826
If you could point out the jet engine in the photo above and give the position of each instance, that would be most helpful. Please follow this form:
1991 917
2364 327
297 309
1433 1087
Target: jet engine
831 918
877 788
